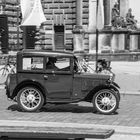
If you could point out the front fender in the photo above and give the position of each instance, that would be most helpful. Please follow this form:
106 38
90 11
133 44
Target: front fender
116 88
109 85
115 85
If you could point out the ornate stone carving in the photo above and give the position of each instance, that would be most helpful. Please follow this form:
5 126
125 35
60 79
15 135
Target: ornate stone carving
119 22
130 21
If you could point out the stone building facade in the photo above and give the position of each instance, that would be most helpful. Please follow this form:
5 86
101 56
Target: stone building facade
60 21
10 8
71 25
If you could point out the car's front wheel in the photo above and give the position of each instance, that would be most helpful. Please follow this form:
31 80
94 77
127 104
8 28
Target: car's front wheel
30 99
105 101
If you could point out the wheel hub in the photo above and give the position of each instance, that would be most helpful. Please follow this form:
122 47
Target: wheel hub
105 101
30 98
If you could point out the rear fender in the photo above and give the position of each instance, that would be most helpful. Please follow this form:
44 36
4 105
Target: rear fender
28 83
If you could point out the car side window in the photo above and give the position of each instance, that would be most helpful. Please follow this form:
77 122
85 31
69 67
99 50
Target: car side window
32 63
58 64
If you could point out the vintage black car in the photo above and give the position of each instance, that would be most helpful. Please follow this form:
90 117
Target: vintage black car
59 78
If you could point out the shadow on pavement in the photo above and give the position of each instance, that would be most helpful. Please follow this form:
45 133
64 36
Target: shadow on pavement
74 108
14 107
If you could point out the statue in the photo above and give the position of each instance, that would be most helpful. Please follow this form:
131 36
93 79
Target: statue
115 15
117 21
130 21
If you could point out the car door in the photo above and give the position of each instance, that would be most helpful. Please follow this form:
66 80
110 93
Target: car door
58 78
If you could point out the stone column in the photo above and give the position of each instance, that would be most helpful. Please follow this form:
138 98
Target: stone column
124 6
92 25
79 12
104 41
121 41
78 29
107 13
102 38
78 42
118 41
114 42
133 41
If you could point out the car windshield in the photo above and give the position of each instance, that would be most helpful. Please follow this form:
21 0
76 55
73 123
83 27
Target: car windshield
83 65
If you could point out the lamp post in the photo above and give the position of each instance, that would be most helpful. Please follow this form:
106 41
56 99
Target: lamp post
97 34
99 24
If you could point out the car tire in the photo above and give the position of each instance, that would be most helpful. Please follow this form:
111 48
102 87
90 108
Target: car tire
117 93
30 99
105 101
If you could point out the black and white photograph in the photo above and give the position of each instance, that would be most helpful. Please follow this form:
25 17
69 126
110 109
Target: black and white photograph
69 69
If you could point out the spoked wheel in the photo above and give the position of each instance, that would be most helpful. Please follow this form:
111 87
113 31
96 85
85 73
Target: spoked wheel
105 101
30 99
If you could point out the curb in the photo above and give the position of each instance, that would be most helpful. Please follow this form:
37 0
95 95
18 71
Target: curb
118 129
123 93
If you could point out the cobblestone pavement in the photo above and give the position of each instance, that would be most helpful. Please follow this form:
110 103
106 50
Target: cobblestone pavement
127 75
127 115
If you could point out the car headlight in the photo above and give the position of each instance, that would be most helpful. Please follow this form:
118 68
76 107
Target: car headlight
112 77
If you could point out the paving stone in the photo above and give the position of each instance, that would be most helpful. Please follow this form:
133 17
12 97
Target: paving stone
127 115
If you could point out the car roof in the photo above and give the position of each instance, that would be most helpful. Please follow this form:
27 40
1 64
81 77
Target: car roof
27 52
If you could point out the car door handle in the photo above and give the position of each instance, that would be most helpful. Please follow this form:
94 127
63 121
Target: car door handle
46 77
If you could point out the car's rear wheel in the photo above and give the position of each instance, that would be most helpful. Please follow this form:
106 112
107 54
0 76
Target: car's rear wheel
30 99
105 101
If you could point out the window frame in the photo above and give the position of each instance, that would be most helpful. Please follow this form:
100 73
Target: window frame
59 71
33 70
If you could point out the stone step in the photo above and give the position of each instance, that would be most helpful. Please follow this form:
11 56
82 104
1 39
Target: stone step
32 131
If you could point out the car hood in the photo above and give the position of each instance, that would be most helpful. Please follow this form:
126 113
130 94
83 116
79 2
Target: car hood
93 75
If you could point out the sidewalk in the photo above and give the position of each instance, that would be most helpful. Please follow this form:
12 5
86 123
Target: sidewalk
118 129
51 130
127 76
129 133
